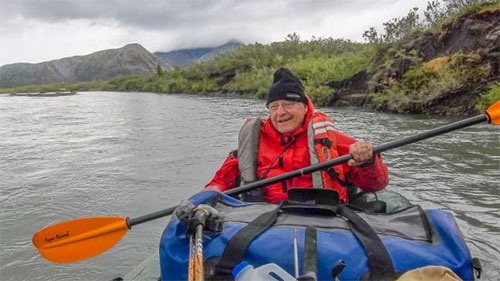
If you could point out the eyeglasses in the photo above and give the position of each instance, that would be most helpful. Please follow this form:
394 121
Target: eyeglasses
287 105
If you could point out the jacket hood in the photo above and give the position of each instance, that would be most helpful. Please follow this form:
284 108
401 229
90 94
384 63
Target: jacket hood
310 109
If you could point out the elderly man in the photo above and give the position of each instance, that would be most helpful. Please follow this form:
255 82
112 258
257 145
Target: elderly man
294 136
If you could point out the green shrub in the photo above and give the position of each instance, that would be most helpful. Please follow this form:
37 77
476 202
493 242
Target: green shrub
150 87
254 82
416 86
320 94
418 79
392 98
489 97
202 86
436 16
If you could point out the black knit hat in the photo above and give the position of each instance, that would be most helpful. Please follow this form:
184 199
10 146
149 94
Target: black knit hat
286 86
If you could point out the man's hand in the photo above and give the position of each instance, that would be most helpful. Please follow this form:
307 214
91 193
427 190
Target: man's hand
361 152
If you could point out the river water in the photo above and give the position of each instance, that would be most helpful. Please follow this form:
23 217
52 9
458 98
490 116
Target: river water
130 154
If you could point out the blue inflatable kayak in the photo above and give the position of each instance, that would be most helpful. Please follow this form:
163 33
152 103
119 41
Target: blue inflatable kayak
369 244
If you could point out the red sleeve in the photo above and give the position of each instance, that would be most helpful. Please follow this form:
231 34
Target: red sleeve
371 177
225 177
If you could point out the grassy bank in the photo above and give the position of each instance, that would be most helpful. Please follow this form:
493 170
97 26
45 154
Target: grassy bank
248 70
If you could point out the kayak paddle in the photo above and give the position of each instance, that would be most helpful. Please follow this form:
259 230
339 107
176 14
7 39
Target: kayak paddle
83 238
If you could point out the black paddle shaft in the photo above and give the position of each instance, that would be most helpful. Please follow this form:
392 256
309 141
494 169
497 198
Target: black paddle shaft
431 133
327 164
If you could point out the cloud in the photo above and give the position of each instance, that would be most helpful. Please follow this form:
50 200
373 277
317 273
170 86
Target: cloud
62 27
161 14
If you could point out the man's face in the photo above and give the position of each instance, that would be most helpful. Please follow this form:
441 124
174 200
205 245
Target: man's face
287 116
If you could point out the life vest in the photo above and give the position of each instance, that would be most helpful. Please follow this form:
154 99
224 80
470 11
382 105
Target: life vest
320 135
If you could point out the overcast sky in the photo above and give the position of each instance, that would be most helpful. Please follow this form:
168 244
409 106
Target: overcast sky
41 30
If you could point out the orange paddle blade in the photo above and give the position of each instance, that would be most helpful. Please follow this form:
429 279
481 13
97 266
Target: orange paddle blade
493 113
79 239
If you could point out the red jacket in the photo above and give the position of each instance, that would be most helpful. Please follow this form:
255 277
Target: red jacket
371 177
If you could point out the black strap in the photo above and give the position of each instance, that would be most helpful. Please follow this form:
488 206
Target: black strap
279 157
332 173
324 141
283 186
379 261
311 250
235 250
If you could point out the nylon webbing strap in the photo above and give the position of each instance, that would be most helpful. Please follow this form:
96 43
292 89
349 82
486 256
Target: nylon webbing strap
379 261
235 250
311 250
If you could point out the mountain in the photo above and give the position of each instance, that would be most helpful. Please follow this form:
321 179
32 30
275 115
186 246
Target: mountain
101 65
231 45
183 57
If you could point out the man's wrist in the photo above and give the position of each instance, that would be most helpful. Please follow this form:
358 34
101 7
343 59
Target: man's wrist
212 187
